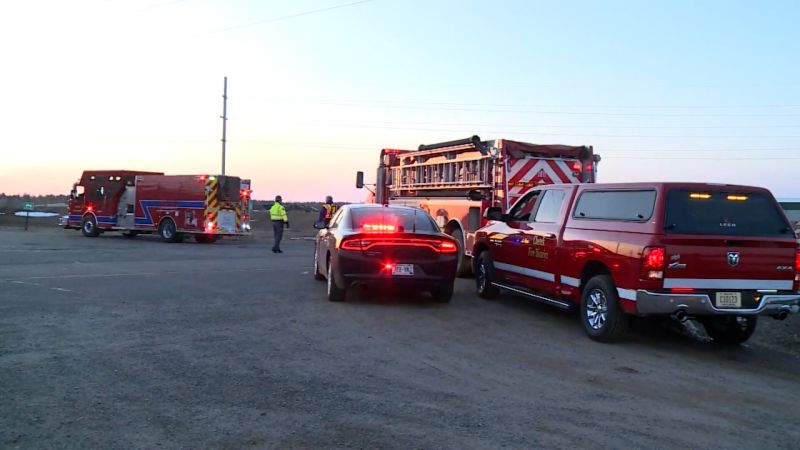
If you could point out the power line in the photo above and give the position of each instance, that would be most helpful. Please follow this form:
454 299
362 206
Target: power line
551 112
668 127
290 16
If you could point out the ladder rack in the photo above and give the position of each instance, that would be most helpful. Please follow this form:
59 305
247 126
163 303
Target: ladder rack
462 174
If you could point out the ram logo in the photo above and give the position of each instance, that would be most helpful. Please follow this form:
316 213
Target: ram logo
733 259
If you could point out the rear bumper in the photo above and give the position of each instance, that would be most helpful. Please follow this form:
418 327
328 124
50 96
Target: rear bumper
701 305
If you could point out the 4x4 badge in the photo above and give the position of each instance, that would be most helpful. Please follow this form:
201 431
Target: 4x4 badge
733 259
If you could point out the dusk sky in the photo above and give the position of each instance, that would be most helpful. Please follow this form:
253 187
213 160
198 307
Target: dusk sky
671 90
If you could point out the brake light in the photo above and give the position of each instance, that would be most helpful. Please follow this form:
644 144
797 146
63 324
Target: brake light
588 167
244 193
448 247
367 243
653 263
378 227
797 261
680 290
576 167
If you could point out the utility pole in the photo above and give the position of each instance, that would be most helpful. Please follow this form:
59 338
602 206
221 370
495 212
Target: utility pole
224 117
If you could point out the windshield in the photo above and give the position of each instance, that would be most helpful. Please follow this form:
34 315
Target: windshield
400 220
719 212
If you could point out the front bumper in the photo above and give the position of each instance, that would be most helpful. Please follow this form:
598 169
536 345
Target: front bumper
701 305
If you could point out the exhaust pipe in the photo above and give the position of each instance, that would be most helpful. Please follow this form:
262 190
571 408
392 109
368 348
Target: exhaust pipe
781 315
680 315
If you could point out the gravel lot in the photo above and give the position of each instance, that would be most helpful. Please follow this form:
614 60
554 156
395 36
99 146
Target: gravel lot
118 343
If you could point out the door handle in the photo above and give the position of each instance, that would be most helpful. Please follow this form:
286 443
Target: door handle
549 236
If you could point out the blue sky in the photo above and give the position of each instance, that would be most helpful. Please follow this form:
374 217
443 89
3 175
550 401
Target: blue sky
679 90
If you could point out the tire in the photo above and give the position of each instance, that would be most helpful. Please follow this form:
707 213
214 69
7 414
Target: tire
335 294
168 231
89 226
601 316
130 234
442 293
730 330
484 276
464 268
317 276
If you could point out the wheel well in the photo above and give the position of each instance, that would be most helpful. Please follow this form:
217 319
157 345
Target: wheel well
476 252
89 214
167 218
592 269
452 226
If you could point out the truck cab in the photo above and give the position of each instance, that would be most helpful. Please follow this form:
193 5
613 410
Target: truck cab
721 254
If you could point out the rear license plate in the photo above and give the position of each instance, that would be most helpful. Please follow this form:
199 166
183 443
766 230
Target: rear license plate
403 270
729 300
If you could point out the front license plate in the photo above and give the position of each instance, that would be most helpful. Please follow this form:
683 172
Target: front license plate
403 270
729 300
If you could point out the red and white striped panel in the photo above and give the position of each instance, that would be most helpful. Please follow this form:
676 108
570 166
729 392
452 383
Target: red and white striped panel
525 173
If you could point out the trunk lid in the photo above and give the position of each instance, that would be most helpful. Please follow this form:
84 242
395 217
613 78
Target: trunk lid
727 239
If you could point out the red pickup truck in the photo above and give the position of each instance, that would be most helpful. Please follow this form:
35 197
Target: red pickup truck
720 254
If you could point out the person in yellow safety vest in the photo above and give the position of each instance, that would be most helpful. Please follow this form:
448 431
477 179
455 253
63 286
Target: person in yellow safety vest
327 211
277 214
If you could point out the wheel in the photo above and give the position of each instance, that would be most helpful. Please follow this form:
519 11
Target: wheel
442 293
601 316
730 330
335 294
168 231
484 276
317 275
130 234
205 238
89 226
464 269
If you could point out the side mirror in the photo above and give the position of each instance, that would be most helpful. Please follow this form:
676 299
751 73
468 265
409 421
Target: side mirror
320 225
73 194
359 179
495 213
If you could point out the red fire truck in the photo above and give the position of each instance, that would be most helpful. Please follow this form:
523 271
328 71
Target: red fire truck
206 206
457 181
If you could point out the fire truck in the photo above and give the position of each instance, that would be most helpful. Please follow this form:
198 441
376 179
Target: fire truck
457 181
174 206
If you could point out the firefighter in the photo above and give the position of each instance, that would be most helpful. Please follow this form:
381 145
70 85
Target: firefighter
327 211
277 214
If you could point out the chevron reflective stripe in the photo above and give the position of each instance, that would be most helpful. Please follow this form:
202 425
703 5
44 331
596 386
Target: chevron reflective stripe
212 199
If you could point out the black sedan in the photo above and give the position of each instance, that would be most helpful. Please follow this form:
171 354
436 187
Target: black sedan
389 246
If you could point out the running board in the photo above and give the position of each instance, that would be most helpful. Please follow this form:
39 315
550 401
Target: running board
537 297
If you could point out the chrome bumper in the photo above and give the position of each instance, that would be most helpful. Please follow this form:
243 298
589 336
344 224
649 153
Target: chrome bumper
701 305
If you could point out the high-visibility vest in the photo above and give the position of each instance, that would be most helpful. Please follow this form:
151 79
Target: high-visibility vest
278 212
330 209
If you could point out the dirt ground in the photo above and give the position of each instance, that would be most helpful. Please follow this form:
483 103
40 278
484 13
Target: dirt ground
118 343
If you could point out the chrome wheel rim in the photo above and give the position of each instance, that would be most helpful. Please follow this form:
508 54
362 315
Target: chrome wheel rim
167 231
88 226
596 309
481 277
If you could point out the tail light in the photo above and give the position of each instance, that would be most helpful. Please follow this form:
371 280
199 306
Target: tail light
797 261
653 263
576 167
362 243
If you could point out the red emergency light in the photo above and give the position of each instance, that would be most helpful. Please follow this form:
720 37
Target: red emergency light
244 193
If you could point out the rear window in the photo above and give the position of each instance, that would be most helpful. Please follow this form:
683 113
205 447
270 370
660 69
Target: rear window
723 213
392 220
616 205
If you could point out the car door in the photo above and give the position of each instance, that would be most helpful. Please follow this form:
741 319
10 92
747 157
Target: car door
541 243
509 242
326 240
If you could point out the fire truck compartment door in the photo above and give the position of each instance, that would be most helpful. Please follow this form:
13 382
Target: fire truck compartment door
227 220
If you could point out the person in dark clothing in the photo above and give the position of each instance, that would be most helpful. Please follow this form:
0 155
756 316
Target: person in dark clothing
327 211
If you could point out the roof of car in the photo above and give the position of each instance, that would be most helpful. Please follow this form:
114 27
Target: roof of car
374 205
666 184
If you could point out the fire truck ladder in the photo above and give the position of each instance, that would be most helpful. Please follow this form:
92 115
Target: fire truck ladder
464 174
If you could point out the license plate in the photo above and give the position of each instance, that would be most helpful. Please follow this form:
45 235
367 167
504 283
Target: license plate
729 300
403 270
